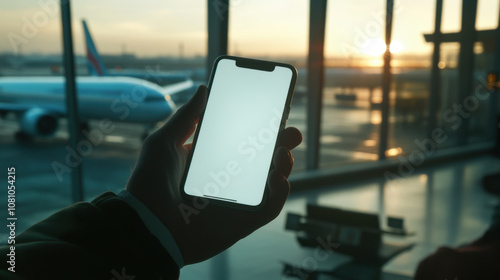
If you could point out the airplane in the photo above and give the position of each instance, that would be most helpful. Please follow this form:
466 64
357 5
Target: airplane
185 85
39 102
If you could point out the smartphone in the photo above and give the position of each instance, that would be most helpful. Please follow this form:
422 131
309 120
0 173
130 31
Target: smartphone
247 107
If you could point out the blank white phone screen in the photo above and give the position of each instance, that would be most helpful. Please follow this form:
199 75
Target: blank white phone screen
236 141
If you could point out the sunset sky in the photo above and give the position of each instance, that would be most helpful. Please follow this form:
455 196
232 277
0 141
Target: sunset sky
257 27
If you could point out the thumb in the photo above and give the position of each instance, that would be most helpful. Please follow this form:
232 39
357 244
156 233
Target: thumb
183 123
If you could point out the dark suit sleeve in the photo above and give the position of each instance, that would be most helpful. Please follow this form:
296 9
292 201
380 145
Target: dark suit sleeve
103 239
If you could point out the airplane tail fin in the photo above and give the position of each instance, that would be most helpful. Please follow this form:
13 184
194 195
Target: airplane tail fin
94 62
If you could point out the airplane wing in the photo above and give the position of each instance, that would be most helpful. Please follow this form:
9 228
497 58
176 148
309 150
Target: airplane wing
177 88
181 92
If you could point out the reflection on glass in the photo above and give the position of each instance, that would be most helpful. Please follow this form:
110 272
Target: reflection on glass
392 152
370 143
375 117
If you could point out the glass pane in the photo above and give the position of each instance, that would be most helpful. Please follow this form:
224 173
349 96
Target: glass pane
351 95
153 36
481 108
477 109
145 40
411 60
163 42
30 47
487 14
275 30
449 91
479 105
452 16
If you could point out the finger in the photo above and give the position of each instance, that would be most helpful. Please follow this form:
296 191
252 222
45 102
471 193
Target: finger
279 188
283 161
183 123
290 138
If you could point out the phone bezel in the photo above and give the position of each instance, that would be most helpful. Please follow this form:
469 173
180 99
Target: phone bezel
256 64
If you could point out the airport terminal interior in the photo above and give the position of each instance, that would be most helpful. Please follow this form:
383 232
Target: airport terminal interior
397 102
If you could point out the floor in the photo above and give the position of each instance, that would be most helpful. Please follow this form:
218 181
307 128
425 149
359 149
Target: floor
444 205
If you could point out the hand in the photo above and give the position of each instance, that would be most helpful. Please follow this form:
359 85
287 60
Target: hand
208 229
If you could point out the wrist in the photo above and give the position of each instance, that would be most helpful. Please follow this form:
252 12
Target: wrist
155 226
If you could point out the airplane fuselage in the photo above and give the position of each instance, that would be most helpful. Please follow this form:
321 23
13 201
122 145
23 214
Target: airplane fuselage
116 98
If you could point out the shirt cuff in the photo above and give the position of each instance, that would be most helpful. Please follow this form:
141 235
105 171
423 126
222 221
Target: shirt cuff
155 226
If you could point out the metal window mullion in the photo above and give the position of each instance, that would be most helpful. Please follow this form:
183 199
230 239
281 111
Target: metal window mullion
466 61
435 88
315 77
218 28
71 97
386 82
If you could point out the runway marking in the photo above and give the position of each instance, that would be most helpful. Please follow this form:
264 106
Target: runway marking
330 139
114 139
343 153
350 154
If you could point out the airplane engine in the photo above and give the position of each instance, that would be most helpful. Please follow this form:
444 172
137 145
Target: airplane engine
39 122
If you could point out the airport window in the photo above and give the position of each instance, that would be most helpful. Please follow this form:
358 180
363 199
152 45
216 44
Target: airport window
275 30
134 40
172 38
411 63
31 46
482 117
487 16
140 43
451 16
449 75
352 91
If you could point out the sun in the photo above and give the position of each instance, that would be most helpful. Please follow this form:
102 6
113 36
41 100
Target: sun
396 47
376 47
